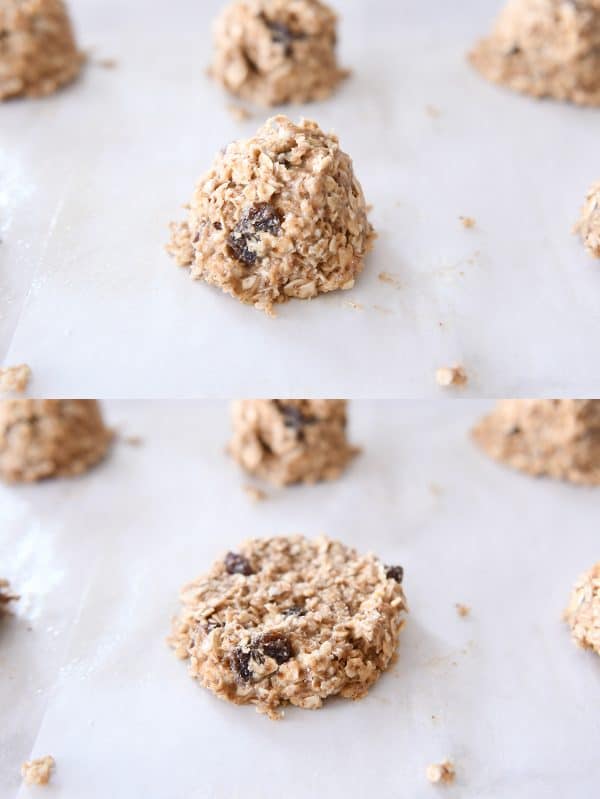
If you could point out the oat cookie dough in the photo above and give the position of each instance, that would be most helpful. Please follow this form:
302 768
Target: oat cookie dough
291 441
588 226
545 48
290 620
50 438
277 51
38 53
557 438
583 612
280 215
38 772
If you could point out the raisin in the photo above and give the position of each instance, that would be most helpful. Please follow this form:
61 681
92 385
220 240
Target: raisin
394 573
210 624
295 610
238 564
217 226
281 34
239 663
259 218
276 646
515 431
293 416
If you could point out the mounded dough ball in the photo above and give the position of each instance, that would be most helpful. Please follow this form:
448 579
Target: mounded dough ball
545 48
588 226
291 441
583 612
277 51
557 438
38 53
50 438
279 215
291 621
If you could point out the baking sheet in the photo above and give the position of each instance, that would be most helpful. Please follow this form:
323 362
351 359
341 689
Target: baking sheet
97 308
503 692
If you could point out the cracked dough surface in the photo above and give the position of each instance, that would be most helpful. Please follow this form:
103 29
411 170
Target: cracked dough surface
583 612
272 52
50 438
545 48
557 438
588 225
290 620
38 52
279 215
291 441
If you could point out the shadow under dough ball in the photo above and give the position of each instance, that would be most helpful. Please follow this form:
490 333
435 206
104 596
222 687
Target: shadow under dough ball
291 441
556 438
545 48
279 215
50 438
277 51
38 52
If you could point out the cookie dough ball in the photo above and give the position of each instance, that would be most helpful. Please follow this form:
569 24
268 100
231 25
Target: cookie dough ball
277 51
588 226
38 53
288 620
557 438
50 438
280 215
545 48
583 613
291 441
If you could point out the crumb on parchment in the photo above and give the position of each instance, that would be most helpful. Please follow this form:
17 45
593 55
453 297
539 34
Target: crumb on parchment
463 610
255 494
6 596
443 773
447 376
38 772
15 378
467 222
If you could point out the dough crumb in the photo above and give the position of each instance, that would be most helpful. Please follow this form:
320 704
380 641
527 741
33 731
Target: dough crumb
356 306
448 376
38 53
588 226
583 613
6 595
38 772
279 216
387 277
441 772
554 438
272 52
463 610
255 494
133 441
238 113
433 112
107 63
50 438
545 48
15 378
467 222
291 441
290 620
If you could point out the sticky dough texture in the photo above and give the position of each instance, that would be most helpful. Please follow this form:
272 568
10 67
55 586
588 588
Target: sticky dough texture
279 215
